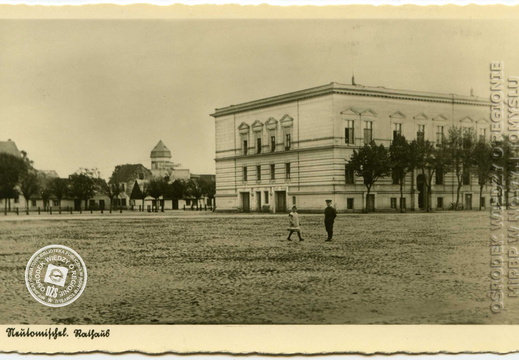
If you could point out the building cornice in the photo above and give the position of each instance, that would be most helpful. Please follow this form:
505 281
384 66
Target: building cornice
354 90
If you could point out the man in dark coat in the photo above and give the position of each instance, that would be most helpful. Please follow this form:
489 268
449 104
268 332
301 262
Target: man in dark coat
329 217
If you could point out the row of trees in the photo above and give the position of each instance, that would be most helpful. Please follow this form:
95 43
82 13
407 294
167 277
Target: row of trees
460 152
19 177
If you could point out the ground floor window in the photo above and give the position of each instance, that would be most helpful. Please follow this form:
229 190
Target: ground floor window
55 202
188 202
33 202
92 203
349 203
393 203
439 202
17 200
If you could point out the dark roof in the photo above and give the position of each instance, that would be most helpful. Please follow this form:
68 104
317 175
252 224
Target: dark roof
136 192
9 147
131 172
160 150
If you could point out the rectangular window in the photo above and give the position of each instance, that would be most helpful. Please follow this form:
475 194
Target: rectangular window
394 177
91 203
348 133
397 130
368 132
482 201
266 197
288 141
258 145
420 135
350 175
482 134
33 202
439 135
123 202
245 147
244 173
188 202
466 177
293 200
258 172
55 202
349 203
393 203
272 171
17 199
439 202
287 171
272 144
439 176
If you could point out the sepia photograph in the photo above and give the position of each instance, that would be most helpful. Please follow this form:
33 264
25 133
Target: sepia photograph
258 171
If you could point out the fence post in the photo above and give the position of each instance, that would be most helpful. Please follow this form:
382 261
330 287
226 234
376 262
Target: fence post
50 209
39 211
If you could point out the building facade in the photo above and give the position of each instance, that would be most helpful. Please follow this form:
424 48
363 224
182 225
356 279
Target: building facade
292 149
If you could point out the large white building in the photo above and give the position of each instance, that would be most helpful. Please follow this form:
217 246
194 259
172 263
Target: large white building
292 149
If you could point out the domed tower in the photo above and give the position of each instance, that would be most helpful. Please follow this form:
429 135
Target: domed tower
160 157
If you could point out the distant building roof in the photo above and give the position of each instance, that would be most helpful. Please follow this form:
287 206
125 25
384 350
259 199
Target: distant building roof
207 177
9 147
160 150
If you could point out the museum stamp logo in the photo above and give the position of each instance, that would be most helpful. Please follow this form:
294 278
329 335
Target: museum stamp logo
56 275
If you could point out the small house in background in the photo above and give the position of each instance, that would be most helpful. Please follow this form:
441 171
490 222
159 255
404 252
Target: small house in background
126 177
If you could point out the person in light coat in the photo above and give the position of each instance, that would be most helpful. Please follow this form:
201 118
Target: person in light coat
294 225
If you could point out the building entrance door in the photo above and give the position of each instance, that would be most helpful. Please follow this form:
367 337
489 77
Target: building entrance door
468 201
245 201
77 205
258 201
371 202
281 201
175 204
420 186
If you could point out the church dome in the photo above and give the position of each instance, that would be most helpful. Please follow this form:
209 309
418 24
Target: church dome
160 151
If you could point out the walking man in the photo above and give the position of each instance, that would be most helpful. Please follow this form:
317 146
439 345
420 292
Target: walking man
329 217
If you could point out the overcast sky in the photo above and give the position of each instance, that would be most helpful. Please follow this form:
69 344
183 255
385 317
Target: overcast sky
98 93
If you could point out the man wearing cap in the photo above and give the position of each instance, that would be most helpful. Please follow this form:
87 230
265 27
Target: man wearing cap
329 217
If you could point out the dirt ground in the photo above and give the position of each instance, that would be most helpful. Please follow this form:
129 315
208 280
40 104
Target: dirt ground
413 268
